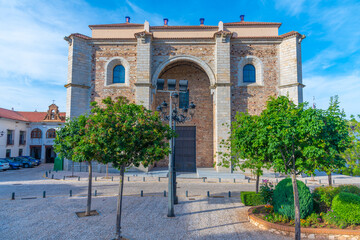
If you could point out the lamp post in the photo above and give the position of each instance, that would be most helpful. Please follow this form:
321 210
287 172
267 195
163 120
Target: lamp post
174 116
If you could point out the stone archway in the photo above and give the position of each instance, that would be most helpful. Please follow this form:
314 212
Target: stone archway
200 94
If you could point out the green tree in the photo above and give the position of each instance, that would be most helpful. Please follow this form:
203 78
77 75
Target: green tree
245 148
352 154
297 138
75 141
129 134
336 137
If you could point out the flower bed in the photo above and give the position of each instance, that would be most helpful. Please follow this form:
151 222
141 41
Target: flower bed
260 216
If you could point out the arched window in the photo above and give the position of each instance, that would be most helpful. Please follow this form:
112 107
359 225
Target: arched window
249 73
51 133
36 133
119 74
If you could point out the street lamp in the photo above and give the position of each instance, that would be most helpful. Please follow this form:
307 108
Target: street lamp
174 115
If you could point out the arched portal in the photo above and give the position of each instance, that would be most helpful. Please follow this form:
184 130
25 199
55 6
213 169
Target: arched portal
200 128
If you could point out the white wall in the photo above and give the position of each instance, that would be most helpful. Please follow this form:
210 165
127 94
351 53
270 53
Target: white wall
17 126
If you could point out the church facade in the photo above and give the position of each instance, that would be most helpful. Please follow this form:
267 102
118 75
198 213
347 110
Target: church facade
230 67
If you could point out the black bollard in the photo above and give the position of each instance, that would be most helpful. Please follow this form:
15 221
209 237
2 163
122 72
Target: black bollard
186 193
64 178
141 193
208 194
164 193
229 194
52 176
95 179
203 179
95 194
128 179
46 174
143 179
44 194
112 178
70 193
219 179
13 196
49 171
234 180
159 179
78 178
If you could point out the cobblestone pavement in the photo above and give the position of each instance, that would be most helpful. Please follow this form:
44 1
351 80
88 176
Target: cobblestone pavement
54 217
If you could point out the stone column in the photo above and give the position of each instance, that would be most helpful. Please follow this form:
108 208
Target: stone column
222 93
143 69
291 68
79 79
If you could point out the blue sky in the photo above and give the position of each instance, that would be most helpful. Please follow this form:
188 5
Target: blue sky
33 54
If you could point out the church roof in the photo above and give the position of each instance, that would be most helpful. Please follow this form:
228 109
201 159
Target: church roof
26 116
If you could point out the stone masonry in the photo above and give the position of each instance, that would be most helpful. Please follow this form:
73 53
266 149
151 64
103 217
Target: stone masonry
211 58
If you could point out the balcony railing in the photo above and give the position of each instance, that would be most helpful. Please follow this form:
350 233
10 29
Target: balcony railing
10 142
23 142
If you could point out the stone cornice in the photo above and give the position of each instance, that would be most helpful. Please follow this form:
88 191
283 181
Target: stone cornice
221 85
76 85
143 84
292 85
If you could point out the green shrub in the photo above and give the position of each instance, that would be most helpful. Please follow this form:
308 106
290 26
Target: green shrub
251 199
284 199
267 191
347 207
331 219
323 196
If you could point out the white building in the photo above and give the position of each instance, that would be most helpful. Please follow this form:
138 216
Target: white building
29 133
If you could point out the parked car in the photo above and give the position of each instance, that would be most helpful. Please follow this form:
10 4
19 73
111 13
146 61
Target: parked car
25 162
12 163
36 161
4 165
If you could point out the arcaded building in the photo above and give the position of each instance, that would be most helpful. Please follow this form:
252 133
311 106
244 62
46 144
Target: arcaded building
230 67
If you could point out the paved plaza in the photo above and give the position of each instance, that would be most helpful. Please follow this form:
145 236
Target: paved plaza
30 216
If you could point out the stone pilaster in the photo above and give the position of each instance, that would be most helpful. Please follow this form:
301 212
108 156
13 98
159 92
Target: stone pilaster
79 79
291 68
222 93
143 69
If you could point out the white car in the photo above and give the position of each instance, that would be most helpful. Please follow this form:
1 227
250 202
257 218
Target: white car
4 165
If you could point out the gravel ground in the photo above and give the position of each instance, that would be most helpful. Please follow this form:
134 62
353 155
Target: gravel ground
143 218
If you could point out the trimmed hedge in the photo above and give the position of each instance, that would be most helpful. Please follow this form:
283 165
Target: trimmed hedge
284 199
347 207
323 196
252 199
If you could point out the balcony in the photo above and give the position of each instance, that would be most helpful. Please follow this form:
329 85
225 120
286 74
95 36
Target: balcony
9 142
23 142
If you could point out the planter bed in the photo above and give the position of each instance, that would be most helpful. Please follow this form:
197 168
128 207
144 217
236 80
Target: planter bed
326 232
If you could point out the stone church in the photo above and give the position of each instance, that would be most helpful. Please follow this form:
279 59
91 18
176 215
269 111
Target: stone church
230 67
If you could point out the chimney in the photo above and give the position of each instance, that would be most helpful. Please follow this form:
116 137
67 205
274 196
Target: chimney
127 19
202 20
166 21
242 17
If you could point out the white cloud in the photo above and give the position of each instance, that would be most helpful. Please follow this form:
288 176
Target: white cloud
292 7
347 87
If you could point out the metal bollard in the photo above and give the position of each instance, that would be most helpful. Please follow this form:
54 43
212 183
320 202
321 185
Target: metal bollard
229 194
219 179
46 174
95 179
164 193
128 179
52 176
186 193
143 179
13 196
78 178
70 193
112 178
159 179
44 194
277 180
141 193
208 194
64 178
95 194
305 181
333 181
203 179
234 180
248 180
49 171
319 181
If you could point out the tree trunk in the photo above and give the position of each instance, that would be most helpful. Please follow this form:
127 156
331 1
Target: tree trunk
107 170
88 205
257 182
329 179
297 207
72 169
120 196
